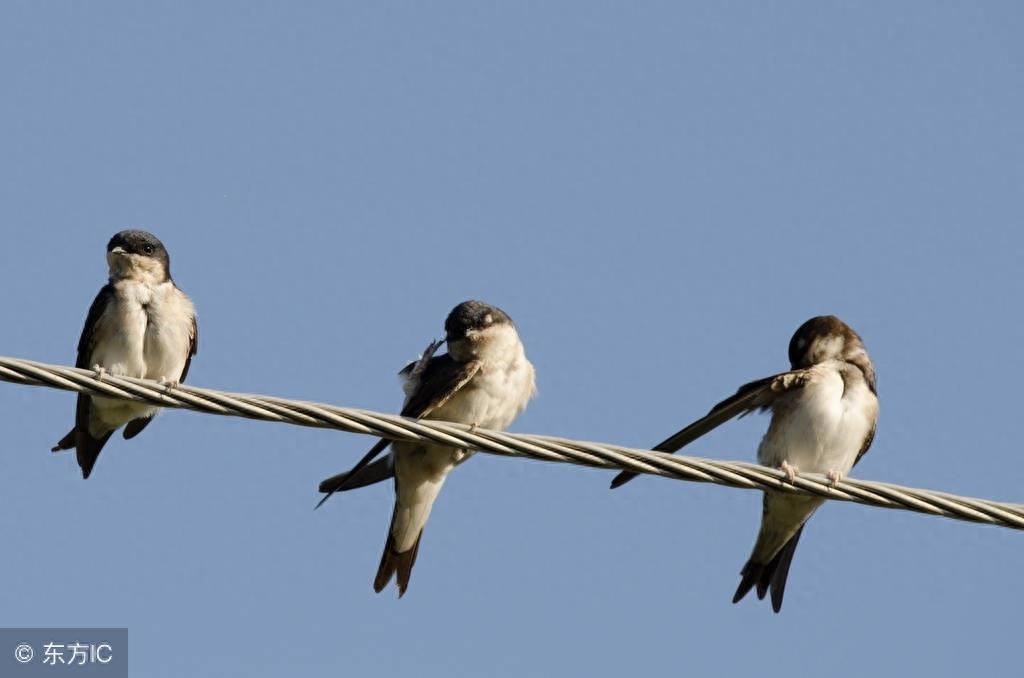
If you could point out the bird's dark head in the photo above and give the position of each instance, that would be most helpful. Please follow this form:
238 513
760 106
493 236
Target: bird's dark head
826 337
138 255
470 318
473 327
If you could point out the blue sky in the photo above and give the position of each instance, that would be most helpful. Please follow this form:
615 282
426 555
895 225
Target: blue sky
657 194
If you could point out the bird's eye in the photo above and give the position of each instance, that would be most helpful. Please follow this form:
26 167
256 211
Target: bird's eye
148 249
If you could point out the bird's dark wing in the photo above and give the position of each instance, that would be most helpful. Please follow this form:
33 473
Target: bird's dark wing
867 443
135 426
193 348
440 380
382 469
87 448
437 381
760 394
349 479
92 320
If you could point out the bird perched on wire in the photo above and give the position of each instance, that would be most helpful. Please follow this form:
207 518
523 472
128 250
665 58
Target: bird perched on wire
484 380
140 325
824 412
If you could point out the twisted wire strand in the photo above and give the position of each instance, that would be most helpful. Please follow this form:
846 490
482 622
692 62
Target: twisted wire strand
545 448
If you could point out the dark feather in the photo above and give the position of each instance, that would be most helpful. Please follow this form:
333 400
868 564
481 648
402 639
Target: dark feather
394 563
135 426
338 484
780 570
66 443
758 394
867 442
193 348
79 437
382 469
769 576
749 575
88 337
439 380
88 450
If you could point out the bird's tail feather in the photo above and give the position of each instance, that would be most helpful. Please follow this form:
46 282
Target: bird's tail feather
88 450
394 563
768 576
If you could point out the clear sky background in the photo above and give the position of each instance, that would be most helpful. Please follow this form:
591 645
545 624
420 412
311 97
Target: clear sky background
658 194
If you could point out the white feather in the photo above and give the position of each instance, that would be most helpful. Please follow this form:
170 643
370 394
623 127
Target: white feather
144 331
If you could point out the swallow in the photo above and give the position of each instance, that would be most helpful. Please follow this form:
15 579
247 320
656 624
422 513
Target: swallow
483 380
140 325
824 414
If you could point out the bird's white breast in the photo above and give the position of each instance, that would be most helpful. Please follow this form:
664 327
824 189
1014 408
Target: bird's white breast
495 396
145 331
822 426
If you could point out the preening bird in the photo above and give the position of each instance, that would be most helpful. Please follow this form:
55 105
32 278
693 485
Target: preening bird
824 412
485 380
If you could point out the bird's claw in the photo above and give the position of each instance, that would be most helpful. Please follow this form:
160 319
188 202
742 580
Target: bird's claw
791 471
100 372
169 384
424 359
833 477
